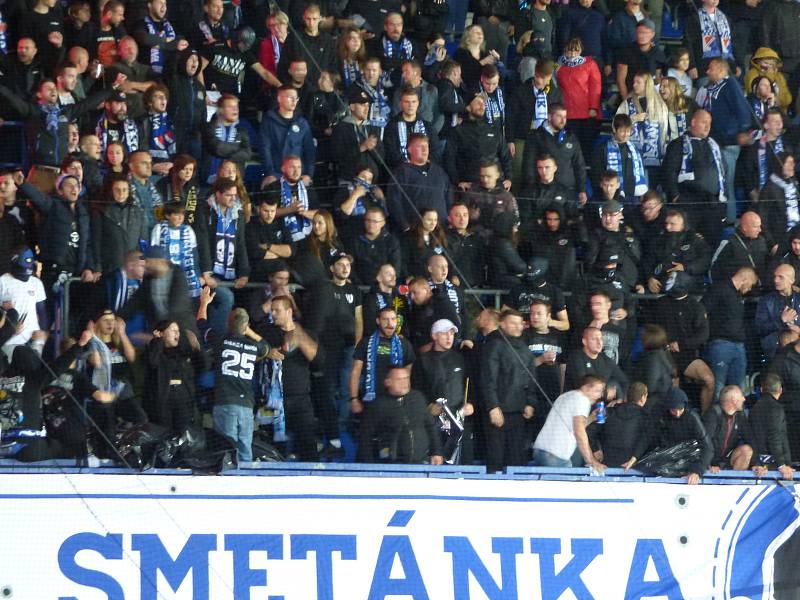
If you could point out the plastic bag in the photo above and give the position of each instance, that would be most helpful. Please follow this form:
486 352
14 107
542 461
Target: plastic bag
137 446
675 461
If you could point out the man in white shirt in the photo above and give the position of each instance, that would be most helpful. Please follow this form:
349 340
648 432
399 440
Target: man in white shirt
22 291
565 427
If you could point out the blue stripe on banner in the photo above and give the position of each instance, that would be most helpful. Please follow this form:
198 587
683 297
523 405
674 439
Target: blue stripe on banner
311 497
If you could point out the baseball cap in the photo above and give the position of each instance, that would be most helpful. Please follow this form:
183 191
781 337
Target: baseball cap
612 207
63 177
358 96
647 23
443 325
676 398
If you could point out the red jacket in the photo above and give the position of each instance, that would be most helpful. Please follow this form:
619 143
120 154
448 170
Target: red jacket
581 88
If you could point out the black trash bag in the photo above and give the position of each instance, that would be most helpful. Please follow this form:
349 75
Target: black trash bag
202 450
263 450
137 447
675 461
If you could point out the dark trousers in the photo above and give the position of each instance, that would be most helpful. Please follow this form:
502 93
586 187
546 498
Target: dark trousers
300 423
367 431
586 130
506 445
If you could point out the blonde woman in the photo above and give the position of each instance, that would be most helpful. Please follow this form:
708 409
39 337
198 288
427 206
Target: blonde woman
680 107
650 118
472 55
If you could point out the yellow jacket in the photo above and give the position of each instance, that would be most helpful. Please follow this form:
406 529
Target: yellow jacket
783 97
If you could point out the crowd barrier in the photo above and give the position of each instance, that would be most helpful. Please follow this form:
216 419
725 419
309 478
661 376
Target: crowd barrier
425 533
66 300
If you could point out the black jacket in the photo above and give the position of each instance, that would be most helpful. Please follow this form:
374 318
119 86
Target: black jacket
505 265
370 255
725 309
506 366
686 247
768 422
416 188
441 375
780 27
472 143
622 243
580 364
787 366
451 105
391 139
726 432
205 227
772 208
407 428
520 109
686 322
257 232
654 369
706 180
347 139
56 228
567 154
626 433
739 251
239 150
187 107
535 199
467 253
318 51
420 319
117 229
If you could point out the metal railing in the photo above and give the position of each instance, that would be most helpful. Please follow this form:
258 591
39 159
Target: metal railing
66 302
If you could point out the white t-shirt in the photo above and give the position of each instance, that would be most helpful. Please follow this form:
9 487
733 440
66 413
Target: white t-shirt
558 435
24 295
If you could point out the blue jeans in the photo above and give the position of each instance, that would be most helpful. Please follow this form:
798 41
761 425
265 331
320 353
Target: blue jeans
236 422
542 458
456 16
730 154
728 362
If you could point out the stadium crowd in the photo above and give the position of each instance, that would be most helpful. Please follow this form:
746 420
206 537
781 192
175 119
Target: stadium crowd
279 218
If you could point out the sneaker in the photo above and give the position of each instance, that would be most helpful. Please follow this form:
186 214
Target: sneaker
331 454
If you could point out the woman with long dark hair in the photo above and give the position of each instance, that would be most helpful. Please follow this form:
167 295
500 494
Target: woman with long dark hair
315 253
180 185
425 237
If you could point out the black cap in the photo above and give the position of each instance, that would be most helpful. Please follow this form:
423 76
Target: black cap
358 96
117 96
612 207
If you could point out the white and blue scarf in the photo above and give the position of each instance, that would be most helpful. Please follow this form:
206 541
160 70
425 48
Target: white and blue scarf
763 162
181 251
208 35
298 226
495 107
790 197
370 366
758 107
682 122
130 135
402 134
225 242
687 169
277 48
3 35
571 62
358 208
272 388
614 163
647 137
707 95
157 56
560 136
351 72
162 136
539 108
379 109
715 35
402 50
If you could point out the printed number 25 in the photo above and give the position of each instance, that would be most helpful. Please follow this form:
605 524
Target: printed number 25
237 364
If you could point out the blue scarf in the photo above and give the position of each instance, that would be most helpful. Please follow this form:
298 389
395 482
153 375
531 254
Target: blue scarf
162 136
370 366
647 138
715 35
687 169
763 166
758 107
359 208
682 122
224 242
297 225
351 72
208 35
181 251
402 133
162 29
3 35
614 163
560 136
539 108
495 107
710 93
402 50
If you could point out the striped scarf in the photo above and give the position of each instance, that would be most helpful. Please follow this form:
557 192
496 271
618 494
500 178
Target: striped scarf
130 134
495 107
225 242
775 147
450 290
370 366
715 34
614 163
224 133
647 137
162 29
687 168
379 109
789 188
298 226
351 72
402 133
181 245
162 136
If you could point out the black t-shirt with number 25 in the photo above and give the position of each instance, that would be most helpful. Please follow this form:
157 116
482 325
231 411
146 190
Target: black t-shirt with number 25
235 369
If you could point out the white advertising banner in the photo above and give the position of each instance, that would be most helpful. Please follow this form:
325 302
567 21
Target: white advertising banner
358 538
